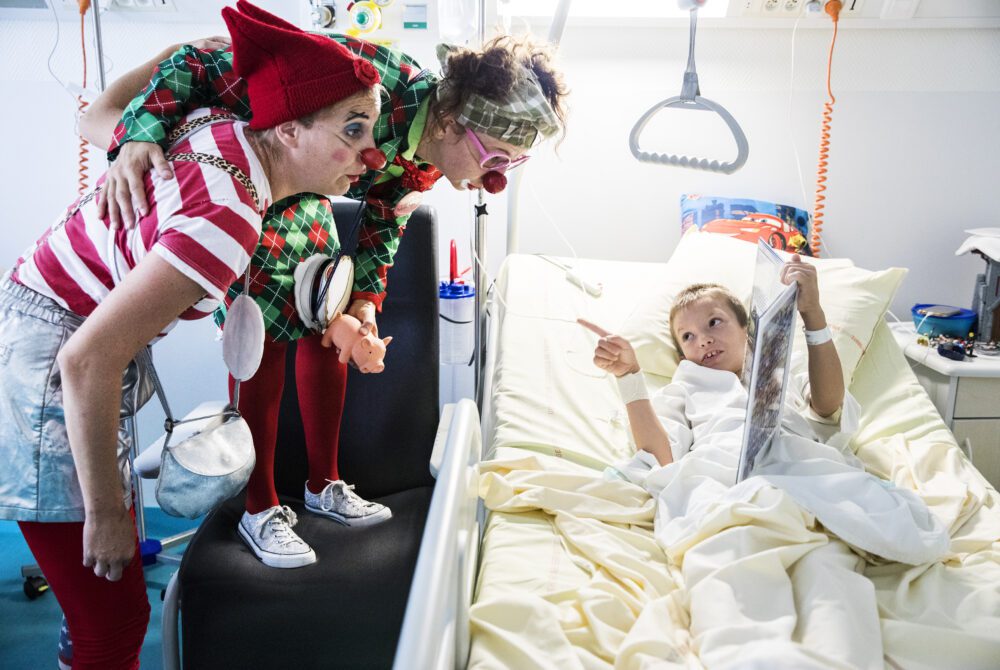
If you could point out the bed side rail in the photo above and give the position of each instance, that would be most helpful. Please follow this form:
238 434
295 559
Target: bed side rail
435 633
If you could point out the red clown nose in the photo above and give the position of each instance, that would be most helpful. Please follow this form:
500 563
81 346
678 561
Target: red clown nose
373 158
494 182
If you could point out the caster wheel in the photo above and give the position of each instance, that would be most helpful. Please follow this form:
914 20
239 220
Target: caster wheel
35 587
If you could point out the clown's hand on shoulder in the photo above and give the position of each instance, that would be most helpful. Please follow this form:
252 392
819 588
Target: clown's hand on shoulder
123 197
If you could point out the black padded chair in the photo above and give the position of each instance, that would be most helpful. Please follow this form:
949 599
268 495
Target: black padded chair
344 611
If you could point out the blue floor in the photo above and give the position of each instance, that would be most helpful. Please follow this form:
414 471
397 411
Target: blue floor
29 629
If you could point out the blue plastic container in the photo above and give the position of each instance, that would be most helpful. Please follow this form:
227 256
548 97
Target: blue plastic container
958 325
458 329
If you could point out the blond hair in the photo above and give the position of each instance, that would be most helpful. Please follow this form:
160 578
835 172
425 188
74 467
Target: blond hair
696 292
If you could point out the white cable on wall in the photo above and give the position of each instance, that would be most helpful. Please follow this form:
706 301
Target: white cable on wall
48 62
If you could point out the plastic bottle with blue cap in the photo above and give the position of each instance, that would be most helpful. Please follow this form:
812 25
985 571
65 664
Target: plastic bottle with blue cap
458 313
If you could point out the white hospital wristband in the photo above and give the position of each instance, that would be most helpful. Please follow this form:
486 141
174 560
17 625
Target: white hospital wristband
817 337
632 387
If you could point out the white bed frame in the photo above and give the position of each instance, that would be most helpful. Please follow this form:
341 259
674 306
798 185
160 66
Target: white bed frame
435 633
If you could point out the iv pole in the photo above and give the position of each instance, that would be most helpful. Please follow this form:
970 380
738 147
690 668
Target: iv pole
480 264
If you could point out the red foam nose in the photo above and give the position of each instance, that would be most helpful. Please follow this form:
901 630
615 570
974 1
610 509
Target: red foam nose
494 182
373 158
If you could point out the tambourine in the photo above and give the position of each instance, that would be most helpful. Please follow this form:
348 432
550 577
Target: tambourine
323 286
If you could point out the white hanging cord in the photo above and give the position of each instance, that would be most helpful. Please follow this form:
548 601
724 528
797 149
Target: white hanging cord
552 221
48 62
791 133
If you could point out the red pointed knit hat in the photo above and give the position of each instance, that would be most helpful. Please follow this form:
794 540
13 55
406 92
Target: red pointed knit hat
290 73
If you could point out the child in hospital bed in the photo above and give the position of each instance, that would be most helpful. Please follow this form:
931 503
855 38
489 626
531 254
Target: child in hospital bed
688 435
709 327
765 585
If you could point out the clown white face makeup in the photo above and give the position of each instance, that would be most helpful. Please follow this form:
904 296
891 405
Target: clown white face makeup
450 151
328 149
710 335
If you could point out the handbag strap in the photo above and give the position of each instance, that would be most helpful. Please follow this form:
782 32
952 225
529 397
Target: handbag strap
189 127
145 361
236 382
222 164
143 358
232 170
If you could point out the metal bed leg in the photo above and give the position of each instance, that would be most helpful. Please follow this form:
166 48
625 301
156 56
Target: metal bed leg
168 625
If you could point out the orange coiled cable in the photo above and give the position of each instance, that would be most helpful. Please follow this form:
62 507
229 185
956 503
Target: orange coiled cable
833 9
82 104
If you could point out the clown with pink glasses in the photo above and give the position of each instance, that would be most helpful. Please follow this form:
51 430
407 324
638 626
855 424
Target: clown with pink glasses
470 125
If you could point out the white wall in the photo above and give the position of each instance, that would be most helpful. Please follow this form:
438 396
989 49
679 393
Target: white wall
916 132
915 136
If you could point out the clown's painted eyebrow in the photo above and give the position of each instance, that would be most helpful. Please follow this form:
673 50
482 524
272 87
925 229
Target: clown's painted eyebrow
357 115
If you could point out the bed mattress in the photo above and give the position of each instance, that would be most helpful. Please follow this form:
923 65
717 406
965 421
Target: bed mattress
570 574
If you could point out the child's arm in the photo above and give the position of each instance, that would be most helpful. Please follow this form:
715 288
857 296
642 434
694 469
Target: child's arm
647 431
614 354
826 380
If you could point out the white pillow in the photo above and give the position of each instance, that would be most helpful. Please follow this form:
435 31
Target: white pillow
853 299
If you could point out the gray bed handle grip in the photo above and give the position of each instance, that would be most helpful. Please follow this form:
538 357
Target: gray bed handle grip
694 103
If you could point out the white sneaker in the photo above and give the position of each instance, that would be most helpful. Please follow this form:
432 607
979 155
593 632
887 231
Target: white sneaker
339 502
269 534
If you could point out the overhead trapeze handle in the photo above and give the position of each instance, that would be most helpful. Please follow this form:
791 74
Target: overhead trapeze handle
694 103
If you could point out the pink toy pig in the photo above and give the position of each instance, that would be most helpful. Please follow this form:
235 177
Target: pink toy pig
367 351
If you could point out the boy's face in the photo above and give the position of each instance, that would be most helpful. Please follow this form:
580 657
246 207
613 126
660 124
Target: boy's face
710 335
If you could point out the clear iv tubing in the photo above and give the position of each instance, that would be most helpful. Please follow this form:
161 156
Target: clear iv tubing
507 310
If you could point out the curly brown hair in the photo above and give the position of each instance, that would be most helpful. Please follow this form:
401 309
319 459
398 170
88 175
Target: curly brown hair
493 71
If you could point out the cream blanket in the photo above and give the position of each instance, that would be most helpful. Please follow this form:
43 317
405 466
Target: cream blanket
573 577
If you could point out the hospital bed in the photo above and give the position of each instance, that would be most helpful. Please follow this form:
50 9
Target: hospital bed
560 568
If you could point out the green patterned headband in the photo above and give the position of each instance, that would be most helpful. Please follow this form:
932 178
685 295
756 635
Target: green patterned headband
523 119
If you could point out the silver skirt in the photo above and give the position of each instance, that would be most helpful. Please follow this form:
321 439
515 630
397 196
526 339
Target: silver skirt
38 480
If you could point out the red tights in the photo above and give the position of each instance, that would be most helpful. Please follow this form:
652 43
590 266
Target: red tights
321 381
107 620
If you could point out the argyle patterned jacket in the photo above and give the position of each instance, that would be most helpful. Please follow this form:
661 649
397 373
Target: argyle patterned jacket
193 78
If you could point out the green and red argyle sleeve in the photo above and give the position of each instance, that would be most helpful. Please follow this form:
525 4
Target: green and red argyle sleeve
189 79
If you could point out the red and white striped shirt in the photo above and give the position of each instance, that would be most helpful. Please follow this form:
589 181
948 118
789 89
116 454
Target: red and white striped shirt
203 222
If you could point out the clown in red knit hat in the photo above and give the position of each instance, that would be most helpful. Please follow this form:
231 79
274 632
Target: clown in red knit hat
470 125
82 305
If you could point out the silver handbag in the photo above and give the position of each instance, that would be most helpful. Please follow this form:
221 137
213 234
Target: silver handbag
206 461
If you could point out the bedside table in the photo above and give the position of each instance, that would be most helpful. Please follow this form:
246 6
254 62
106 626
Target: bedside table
966 393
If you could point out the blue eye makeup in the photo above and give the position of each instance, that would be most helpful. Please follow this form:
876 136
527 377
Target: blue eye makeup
354 130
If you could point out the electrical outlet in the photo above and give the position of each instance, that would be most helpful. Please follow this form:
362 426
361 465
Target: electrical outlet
851 9
142 5
791 9
745 7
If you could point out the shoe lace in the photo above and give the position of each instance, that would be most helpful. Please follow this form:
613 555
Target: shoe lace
279 522
326 497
